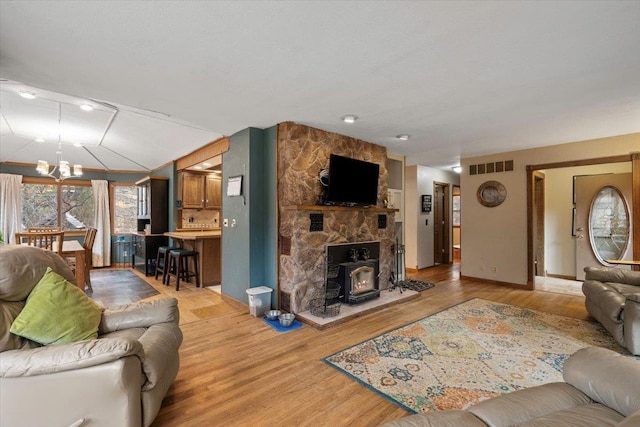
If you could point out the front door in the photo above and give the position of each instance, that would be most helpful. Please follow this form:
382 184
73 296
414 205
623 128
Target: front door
602 220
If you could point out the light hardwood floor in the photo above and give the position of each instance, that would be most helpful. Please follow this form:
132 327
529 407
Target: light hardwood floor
237 371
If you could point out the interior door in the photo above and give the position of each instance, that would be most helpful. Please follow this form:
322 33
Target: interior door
602 220
441 223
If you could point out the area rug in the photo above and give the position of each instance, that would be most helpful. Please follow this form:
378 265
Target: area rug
415 285
119 287
470 352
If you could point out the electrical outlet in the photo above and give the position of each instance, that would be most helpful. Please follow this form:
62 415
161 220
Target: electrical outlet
225 222
495 269
124 253
233 222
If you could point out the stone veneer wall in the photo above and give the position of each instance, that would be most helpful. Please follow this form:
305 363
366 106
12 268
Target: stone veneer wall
302 152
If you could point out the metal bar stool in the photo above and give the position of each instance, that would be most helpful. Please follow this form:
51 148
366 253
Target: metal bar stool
179 266
162 261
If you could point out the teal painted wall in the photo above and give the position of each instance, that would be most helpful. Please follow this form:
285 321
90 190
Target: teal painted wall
249 249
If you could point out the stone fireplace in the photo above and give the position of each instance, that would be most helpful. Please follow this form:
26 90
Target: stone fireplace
305 229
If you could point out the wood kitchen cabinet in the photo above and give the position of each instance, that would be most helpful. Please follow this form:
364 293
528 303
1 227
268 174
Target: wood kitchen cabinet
201 191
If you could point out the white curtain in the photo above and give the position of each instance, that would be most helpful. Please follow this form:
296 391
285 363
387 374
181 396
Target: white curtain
102 221
10 206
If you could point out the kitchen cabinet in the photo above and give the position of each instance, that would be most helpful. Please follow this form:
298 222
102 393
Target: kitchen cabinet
145 250
201 191
153 204
213 191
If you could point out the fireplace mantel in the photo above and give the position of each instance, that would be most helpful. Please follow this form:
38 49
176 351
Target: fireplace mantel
337 208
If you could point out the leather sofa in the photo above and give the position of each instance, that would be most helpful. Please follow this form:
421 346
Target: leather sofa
612 297
118 379
601 389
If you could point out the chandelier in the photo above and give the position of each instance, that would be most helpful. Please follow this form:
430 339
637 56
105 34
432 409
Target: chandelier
61 166
64 171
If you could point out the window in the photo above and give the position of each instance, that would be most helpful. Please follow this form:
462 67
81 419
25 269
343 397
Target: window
69 207
124 208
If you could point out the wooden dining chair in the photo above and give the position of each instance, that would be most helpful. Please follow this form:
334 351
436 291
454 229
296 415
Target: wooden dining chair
43 229
50 240
87 244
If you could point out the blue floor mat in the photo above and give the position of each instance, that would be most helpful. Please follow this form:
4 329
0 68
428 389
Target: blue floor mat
275 324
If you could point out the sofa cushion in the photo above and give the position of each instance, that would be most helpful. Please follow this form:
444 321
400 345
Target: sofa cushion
57 312
593 415
21 267
609 302
623 288
527 404
451 418
606 377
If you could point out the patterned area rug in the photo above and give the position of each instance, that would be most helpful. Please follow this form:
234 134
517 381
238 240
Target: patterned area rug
468 353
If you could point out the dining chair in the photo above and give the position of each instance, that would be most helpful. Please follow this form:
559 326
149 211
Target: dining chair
48 240
43 229
87 244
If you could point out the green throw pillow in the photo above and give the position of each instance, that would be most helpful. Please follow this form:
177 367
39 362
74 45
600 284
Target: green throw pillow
57 312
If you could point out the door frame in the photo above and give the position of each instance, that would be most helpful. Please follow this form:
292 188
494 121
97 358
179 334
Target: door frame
445 254
634 158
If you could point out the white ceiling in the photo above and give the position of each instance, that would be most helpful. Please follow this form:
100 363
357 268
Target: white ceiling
461 78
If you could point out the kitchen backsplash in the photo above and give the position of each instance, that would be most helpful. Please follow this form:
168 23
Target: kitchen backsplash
200 218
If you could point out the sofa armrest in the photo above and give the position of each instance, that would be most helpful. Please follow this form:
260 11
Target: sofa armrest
66 357
606 377
139 315
631 328
160 343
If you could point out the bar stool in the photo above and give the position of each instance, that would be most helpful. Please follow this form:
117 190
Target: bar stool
179 266
162 263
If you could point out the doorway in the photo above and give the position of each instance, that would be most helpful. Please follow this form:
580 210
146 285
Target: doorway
536 175
441 223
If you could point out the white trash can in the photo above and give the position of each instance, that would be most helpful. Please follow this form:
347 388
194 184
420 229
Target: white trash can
259 300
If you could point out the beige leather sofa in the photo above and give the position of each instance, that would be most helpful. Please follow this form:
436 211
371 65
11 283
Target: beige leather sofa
118 379
601 388
612 296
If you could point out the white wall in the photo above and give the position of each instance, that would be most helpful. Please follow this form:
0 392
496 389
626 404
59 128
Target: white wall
559 250
419 237
497 237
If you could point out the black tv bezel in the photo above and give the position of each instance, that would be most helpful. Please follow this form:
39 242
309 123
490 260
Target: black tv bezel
332 198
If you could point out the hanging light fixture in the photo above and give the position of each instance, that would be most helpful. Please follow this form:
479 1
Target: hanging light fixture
62 166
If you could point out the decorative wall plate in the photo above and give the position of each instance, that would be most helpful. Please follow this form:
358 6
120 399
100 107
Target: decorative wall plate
491 193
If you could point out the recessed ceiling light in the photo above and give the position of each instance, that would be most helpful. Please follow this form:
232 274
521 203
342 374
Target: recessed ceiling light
86 107
197 167
403 137
39 140
457 169
77 144
205 164
349 118
27 95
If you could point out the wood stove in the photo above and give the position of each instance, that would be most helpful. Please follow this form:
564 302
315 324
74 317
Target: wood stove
358 270
358 281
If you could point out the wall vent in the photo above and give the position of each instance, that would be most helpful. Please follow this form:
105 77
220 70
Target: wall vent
491 167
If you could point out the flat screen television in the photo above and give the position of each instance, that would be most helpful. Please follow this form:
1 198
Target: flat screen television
352 182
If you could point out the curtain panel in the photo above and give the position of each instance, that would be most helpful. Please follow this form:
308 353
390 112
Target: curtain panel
10 206
102 245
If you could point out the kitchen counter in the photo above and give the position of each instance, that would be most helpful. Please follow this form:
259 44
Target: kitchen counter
207 243
186 234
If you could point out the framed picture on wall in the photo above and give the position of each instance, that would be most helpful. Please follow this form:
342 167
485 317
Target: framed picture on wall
426 203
